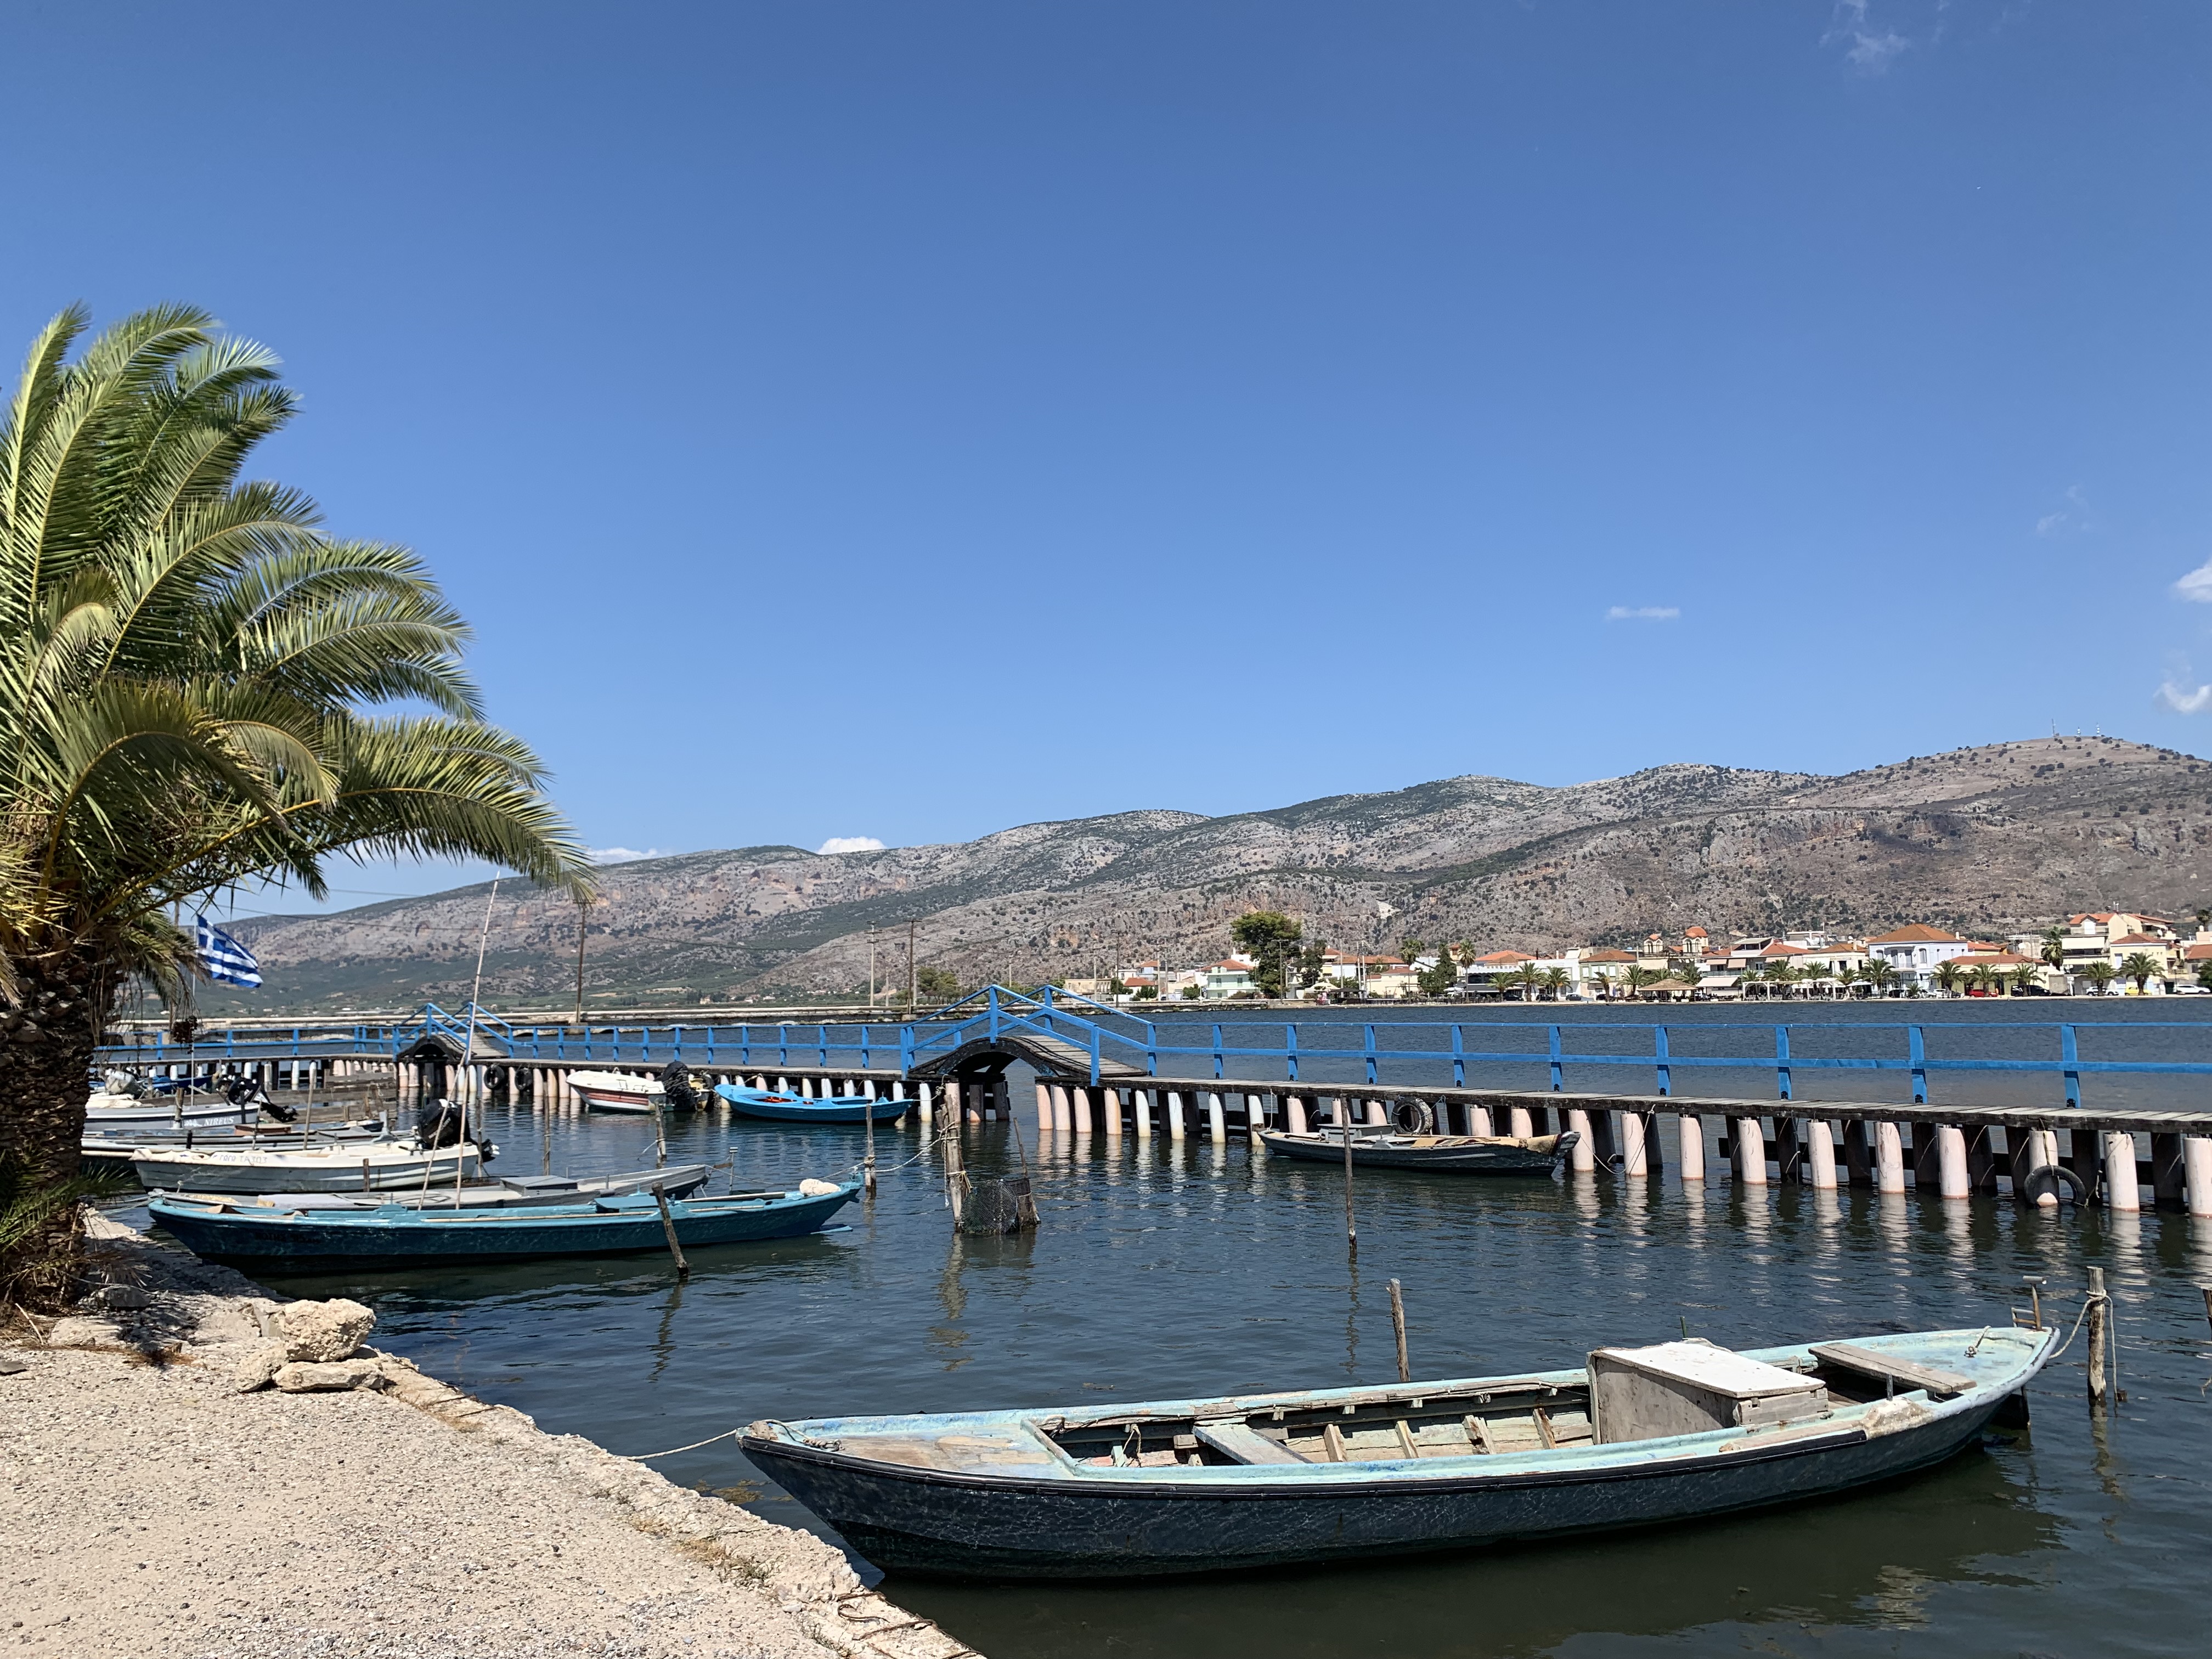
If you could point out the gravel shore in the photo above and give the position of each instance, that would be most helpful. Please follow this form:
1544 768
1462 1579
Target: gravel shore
149 1509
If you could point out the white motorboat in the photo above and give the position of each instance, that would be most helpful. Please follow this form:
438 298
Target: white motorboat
120 1114
360 1167
618 1091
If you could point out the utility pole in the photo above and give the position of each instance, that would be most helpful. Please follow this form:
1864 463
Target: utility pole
583 914
872 968
912 977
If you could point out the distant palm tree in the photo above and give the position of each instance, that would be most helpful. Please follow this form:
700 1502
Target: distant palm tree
1819 973
2054 947
2140 967
1982 978
2025 979
1781 975
1639 976
1878 973
2100 973
1556 980
1948 975
1602 982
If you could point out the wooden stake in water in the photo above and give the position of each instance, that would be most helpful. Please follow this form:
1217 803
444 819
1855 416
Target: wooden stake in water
1350 1227
1398 1327
668 1229
868 1113
2098 1305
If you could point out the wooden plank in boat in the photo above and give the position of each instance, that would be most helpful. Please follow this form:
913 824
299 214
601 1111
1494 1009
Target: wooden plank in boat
1234 1438
1872 1362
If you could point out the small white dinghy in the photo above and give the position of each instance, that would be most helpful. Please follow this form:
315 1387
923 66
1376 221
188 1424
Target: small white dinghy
618 1091
106 1114
358 1167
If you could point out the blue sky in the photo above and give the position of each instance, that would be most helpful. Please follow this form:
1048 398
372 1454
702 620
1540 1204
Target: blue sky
909 420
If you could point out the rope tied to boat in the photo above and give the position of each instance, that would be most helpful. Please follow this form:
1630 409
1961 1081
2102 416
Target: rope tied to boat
647 1457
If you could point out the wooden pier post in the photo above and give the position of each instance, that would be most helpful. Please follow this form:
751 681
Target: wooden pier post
1398 1329
1633 1162
1217 1126
1583 1159
2122 1189
1750 1153
2196 1173
2099 1307
1951 1158
1888 1158
1690 1141
1822 1147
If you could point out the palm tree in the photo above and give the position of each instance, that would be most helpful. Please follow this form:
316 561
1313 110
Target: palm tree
1556 980
1878 973
1639 976
1602 982
1529 977
2026 978
1948 975
2100 973
191 672
1781 974
2054 948
2139 966
1982 977
1819 973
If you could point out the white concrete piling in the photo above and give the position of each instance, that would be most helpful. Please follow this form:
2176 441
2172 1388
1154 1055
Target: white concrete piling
1296 1109
1216 1126
1951 1161
1822 1145
1176 1127
1750 1153
1109 1104
1635 1160
1690 1142
1888 1158
1143 1098
2197 1178
1583 1158
2123 1190
1522 1125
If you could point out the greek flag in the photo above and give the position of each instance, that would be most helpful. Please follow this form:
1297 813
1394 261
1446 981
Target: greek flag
226 961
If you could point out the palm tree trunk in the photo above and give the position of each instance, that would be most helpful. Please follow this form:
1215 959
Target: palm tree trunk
46 1046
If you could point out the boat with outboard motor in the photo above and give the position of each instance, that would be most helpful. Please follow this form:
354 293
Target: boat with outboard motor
314 1239
501 1193
780 1108
618 1091
1635 1436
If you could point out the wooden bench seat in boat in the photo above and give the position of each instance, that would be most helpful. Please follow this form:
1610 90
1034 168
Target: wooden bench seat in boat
1884 1368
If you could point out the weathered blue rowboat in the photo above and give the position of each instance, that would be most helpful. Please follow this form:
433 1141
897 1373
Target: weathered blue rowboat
797 1108
313 1240
1673 1432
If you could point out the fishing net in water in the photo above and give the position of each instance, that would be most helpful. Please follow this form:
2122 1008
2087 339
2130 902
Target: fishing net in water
997 1206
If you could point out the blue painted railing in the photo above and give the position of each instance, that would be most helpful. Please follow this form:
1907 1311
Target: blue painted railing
1105 1035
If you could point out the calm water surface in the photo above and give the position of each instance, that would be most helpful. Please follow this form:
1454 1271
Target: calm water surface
1164 1270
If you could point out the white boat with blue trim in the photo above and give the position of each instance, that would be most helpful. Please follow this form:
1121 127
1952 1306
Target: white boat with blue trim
1637 1437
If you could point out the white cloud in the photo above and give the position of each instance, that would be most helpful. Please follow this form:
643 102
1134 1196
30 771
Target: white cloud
624 855
1644 613
2075 516
1867 48
851 844
2183 700
2197 584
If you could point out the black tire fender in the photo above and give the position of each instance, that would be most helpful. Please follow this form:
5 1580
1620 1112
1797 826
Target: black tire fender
2054 1181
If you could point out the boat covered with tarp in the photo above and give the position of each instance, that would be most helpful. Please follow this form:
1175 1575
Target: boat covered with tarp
314 1239
1635 1436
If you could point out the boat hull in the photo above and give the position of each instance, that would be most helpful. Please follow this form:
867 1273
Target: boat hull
1039 1514
319 1241
795 1108
345 1169
618 1100
161 1116
1500 1157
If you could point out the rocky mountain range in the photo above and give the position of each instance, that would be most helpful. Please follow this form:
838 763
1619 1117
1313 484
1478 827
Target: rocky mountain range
1987 840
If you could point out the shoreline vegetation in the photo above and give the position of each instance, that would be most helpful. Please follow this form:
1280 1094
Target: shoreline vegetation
163 1509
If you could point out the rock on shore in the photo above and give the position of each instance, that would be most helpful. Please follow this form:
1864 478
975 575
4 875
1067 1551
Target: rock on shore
152 1508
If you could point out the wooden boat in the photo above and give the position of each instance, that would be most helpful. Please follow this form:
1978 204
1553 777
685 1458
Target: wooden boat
1672 1433
113 1114
822 1108
317 1240
618 1091
114 1149
511 1193
357 1167
1382 1149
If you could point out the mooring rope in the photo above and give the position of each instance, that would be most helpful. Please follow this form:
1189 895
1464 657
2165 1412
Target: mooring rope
647 1457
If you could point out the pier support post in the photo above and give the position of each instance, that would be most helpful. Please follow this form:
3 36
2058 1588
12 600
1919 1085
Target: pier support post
1750 1153
1143 1099
1888 1158
1109 1103
1981 1162
2165 1174
2196 1172
1043 1109
1217 1126
1690 1141
2123 1191
1375 1112
1517 1117
1079 1100
1821 1145
2099 1313
1479 1123
1859 1153
1951 1161
1633 1161
1582 1158
1295 1109
1062 1118
1176 1127
922 1104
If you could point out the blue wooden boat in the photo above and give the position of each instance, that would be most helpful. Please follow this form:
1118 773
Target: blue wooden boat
1383 1149
1670 1433
312 1239
822 1108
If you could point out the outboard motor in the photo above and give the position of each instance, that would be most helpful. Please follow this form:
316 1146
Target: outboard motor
675 1084
244 1089
440 1123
